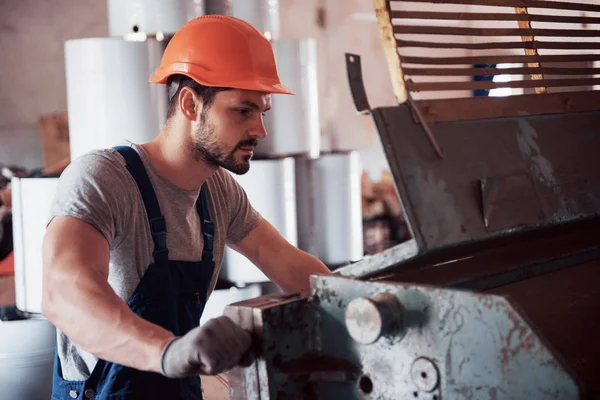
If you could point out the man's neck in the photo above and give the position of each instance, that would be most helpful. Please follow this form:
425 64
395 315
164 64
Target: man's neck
173 159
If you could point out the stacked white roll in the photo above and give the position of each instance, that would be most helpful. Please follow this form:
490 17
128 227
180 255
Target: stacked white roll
26 359
337 209
293 123
27 346
108 94
32 199
263 14
270 187
305 205
150 16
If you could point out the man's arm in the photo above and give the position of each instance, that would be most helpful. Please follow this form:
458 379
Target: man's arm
78 300
286 265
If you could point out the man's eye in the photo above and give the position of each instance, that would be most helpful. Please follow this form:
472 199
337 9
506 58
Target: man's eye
245 112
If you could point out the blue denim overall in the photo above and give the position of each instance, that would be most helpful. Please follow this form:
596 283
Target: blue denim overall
171 294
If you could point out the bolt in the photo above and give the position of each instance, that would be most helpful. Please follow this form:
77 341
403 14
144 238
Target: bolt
369 319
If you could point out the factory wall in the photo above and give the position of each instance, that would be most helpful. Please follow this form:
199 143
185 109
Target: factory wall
32 67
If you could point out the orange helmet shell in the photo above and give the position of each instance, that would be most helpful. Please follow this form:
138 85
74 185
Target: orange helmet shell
223 51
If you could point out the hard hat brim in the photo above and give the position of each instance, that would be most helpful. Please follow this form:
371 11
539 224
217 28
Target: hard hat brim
258 85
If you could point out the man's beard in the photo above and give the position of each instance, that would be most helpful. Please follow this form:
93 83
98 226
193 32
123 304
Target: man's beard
207 148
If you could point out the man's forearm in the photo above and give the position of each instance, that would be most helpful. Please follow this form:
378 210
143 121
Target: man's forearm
88 311
287 266
299 267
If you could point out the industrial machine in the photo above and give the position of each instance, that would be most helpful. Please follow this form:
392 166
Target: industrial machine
496 295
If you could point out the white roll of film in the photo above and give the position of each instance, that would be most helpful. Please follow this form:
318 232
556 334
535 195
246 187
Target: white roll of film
109 97
31 202
293 123
271 189
26 359
263 14
337 207
150 17
305 205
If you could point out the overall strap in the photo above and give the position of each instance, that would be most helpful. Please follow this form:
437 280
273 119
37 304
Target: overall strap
208 228
158 226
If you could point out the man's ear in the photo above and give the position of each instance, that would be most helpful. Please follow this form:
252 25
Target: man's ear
190 103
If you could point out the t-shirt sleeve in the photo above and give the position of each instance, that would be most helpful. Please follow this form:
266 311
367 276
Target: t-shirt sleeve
243 217
93 188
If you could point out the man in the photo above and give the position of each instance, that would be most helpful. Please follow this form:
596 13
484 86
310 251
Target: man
137 233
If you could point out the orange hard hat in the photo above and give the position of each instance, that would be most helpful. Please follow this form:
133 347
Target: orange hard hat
218 50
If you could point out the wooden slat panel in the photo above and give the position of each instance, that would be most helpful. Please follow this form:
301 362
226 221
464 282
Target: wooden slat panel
440 110
499 59
556 5
468 16
502 45
460 31
498 71
435 86
382 13
530 52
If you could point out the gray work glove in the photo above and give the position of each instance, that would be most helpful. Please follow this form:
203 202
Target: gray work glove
217 346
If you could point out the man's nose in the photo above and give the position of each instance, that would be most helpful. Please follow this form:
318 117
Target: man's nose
259 130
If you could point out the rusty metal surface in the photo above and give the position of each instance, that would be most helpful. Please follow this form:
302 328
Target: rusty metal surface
480 259
443 344
565 308
479 343
443 199
284 329
381 261
509 201
536 172
528 271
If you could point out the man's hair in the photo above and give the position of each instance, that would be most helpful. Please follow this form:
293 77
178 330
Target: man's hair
177 82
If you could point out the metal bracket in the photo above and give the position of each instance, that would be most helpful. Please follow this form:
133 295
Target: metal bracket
424 124
357 86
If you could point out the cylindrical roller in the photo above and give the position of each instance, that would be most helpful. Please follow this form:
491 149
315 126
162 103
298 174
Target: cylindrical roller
337 207
150 16
26 358
305 205
270 187
31 202
109 97
263 14
293 123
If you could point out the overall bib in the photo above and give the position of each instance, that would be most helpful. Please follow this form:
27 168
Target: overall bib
171 294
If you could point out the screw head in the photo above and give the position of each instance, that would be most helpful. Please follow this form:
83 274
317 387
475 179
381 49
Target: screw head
424 374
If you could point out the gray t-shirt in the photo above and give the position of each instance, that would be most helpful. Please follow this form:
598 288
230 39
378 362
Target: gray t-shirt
98 189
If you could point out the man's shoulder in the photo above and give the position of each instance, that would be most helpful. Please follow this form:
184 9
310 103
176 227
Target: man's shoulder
102 159
95 188
103 168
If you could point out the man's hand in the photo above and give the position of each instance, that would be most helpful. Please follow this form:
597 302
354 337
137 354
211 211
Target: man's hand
217 346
